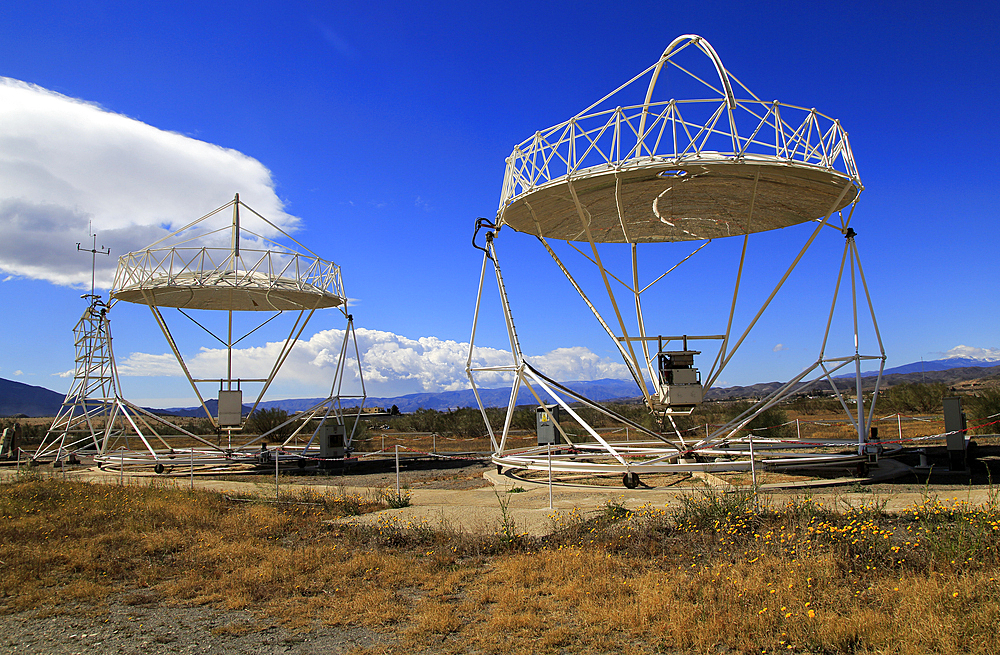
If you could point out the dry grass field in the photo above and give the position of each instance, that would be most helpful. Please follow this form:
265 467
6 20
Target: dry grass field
728 573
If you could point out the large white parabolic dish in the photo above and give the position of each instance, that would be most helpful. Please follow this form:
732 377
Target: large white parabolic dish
702 198
710 160
635 169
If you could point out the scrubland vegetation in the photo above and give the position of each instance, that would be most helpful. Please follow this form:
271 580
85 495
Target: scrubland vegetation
819 417
718 573
464 429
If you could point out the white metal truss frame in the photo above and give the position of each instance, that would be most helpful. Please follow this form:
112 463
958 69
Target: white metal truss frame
86 410
671 452
330 408
237 266
275 280
133 438
554 157
210 266
634 135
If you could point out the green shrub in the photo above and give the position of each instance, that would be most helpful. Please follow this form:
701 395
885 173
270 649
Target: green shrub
982 408
919 398
265 420
772 422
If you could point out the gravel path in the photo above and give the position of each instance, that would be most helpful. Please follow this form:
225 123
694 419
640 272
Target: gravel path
124 627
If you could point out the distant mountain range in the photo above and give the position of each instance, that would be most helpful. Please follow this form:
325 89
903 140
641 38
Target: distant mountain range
601 390
929 367
931 371
18 398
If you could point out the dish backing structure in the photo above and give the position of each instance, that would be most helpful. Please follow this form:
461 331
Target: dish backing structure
639 170
213 269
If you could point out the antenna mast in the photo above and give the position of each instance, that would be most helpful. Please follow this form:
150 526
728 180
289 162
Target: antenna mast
95 251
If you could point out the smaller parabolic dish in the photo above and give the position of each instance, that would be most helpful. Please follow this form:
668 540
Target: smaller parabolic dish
238 290
243 277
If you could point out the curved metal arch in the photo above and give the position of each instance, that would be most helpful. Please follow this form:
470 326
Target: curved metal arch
706 47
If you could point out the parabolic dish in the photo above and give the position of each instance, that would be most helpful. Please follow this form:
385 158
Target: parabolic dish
691 200
227 290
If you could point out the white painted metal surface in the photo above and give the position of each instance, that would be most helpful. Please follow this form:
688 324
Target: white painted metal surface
194 268
633 169
253 272
81 421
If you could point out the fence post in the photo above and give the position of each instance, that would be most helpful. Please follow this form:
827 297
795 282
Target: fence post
550 475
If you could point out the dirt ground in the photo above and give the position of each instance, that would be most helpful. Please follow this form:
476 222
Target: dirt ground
458 474
462 491
137 624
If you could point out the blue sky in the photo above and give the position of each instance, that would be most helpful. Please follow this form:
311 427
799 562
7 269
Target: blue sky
383 128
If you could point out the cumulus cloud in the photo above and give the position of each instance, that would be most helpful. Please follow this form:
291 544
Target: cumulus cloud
779 347
147 365
65 163
392 364
578 363
986 354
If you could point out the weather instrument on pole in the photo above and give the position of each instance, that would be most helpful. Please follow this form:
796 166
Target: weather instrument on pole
644 172
81 422
94 252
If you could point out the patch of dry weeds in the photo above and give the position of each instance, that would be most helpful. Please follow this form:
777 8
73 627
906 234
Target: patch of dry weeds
724 573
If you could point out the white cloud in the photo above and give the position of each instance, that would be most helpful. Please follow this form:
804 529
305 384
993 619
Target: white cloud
779 347
64 162
18 372
392 364
986 354
578 363
147 365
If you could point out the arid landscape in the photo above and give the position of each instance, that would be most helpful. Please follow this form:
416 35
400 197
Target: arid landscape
97 563
895 558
